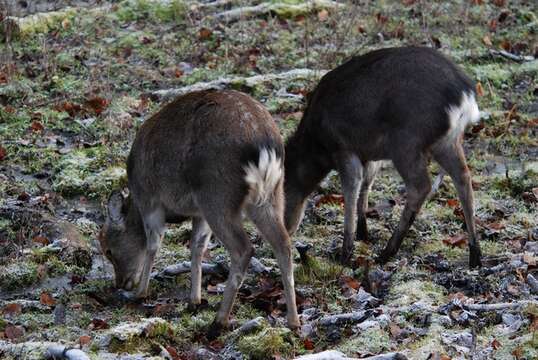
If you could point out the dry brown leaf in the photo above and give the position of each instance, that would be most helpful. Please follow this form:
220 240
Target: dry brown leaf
459 240
84 340
395 330
499 3
12 309
96 104
495 344
46 299
205 33
3 153
487 41
37 126
308 344
453 203
41 240
330 199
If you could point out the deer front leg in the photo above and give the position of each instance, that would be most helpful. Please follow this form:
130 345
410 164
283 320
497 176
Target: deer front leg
350 170
201 233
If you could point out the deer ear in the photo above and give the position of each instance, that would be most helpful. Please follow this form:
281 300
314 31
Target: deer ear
117 208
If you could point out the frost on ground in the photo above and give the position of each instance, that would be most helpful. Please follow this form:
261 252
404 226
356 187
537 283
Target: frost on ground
76 84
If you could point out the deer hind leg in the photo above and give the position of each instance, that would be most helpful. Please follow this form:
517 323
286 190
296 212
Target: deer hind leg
268 220
451 157
351 171
201 233
225 222
370 172
417 183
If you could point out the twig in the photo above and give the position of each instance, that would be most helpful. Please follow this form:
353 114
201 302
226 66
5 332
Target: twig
508 55
248 81
280 8
347 318
437 184
499 306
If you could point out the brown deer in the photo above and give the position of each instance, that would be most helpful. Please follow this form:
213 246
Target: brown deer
401 104
210 156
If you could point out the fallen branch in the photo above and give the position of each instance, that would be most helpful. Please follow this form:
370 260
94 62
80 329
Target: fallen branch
499 306
61 352
347 318
15 27
238 81
508 55
337 355
185 267
282 9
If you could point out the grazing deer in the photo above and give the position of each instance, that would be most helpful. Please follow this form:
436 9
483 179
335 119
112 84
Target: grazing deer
209 156
401 104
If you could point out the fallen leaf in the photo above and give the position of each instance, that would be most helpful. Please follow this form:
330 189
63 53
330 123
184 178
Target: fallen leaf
486 40
84 340
99 324
204 33
506 45
37 126
350 282
173 353
518 353
12 309
495 227
453 203
459 240
96 104
308 344
323 15
13 332
330 199
479 89
495 344
499 3
3 153
477 2
445 357
46 299
41 240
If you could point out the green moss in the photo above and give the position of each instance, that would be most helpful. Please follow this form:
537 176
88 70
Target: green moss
317 270
81 172
164 11
18 275
267 343
372 340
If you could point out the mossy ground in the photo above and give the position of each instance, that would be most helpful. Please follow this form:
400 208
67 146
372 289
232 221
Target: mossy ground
73 94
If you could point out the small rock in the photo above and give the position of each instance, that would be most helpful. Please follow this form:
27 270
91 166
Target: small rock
363 300
205 354
59 314
512 322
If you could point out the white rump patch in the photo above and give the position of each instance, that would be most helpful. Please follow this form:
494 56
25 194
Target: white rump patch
460 116
264 177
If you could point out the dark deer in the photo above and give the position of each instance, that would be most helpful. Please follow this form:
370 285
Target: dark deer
401 104
210 156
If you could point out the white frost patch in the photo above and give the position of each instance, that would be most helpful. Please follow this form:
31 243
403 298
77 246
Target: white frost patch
460 116
264 177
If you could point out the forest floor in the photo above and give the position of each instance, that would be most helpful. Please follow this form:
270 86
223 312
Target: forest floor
74 87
